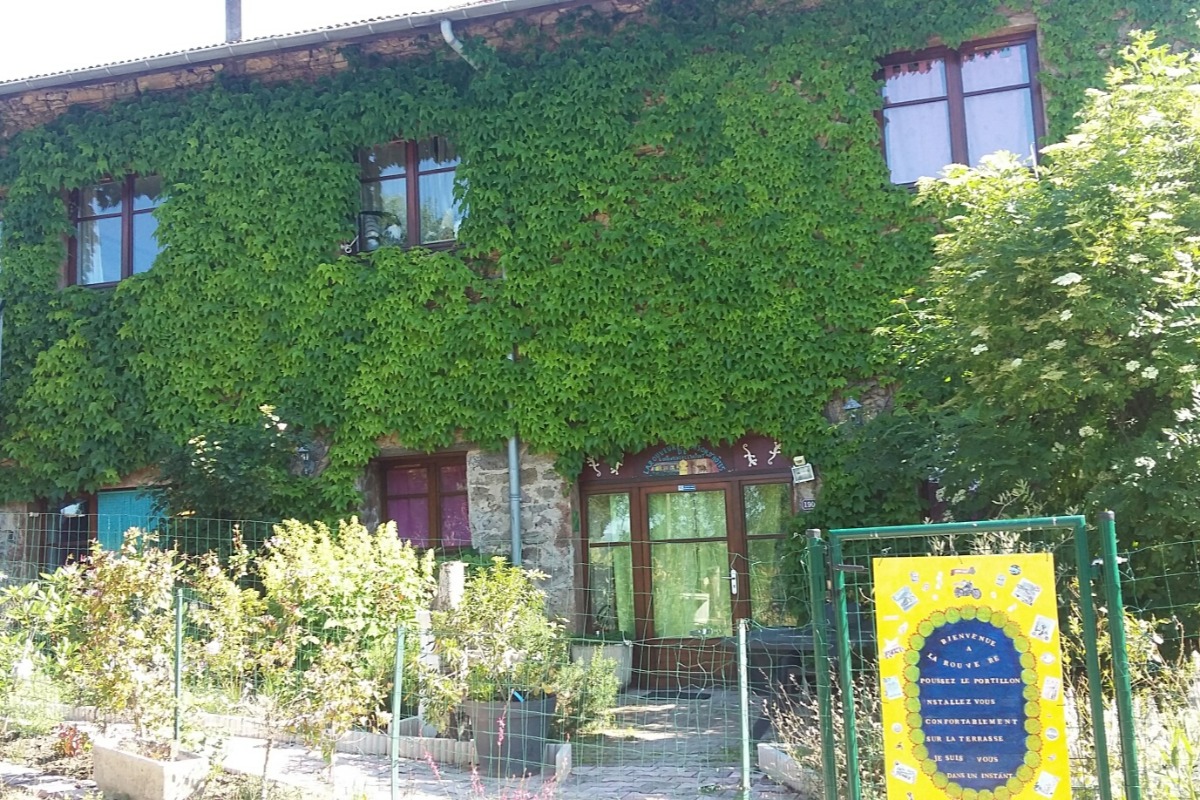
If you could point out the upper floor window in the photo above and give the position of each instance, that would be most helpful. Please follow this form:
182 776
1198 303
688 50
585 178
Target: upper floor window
408 194
115 230
427 500
956 106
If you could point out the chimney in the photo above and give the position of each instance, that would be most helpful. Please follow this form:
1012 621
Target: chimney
233 20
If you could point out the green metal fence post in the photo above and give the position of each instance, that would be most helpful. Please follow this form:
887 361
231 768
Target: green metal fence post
845 667
394 727
1110 575
744 697
178 663
1087 610
816 593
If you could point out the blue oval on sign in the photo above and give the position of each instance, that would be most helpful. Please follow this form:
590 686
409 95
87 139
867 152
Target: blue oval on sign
972 704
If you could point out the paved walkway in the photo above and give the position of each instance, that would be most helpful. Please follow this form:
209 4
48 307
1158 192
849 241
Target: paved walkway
368 777
658 748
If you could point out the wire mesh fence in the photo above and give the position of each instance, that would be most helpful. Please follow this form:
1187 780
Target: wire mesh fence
345 663
374 667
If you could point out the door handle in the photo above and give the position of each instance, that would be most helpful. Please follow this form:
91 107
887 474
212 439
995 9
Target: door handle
733 582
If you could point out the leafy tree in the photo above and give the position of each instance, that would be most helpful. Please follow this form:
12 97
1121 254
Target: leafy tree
1055 344
229 481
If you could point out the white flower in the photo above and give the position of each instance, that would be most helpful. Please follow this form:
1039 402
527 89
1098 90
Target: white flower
1186 368
1184 414
1161 215
1065 315
23 669
213 647
1016 362
1150 373
1145 462
1132 365
1151 118
1058 447
1068 279
1086 431
1057 344
979 348
981 332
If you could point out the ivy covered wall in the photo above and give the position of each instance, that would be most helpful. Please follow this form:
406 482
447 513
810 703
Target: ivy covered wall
692 218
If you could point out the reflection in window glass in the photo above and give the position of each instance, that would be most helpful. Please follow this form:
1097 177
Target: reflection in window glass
1000 121
687 515
440 213
436 153
385 161
145 242
917 80
98 250
411 515
610 589
768 508
771 603
103 198
456 522
608 518
147 192
995 68
917 140
690 583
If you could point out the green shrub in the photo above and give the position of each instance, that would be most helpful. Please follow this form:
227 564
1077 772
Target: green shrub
495 644
587 693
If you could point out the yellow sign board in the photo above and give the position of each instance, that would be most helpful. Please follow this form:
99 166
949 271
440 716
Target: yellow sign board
971 678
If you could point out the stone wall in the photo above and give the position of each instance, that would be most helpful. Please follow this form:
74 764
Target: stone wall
547 541
39 106
19 550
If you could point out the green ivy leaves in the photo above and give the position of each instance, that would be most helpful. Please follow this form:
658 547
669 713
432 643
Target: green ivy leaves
692 219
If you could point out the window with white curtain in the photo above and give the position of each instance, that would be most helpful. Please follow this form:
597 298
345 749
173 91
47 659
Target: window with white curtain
947 106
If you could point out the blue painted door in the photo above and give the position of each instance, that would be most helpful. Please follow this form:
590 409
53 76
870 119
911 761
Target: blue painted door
119 510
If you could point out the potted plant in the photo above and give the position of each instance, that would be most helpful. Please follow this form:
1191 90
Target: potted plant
614 646
500 658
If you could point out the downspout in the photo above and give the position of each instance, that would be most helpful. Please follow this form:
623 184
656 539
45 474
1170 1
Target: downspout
514 487
514 445
455 43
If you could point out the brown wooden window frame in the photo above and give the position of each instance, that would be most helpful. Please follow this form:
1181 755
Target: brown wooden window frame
955 95
737 539
412 190
126 215
433 494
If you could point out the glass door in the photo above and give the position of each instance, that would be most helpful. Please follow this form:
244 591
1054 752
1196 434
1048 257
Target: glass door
691 584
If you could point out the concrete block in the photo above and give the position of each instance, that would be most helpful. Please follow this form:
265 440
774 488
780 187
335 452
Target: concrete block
123 775
558 756
780 767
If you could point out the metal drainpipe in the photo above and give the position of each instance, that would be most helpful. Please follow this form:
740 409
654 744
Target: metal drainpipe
514 497
454 42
